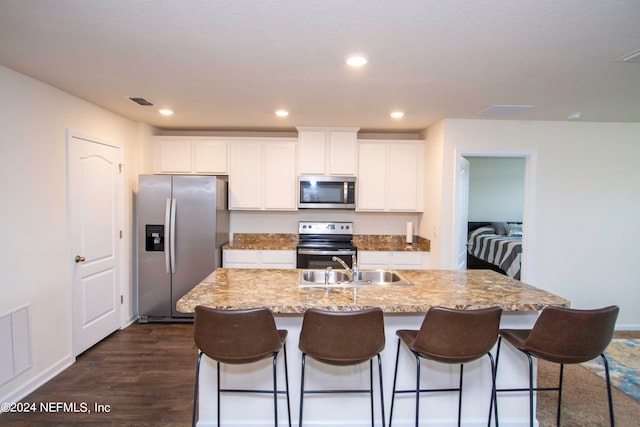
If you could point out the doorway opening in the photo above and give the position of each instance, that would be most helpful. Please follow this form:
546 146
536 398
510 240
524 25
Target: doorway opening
495 186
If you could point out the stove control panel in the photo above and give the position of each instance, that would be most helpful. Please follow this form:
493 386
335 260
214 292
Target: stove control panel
319 227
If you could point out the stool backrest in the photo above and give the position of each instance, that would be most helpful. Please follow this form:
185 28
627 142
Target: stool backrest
342 338
565 335
458 336
236 336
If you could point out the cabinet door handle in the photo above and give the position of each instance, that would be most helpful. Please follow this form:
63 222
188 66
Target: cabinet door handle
80 258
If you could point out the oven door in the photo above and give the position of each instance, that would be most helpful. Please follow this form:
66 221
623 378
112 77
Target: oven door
322 258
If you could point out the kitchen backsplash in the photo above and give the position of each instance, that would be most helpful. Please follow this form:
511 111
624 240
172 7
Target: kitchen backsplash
287 222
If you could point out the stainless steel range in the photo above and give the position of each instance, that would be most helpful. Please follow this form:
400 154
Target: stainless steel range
319 242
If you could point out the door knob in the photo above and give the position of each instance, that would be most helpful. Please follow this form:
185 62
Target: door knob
79 258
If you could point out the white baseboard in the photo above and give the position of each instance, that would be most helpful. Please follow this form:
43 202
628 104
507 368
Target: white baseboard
627 327
38 381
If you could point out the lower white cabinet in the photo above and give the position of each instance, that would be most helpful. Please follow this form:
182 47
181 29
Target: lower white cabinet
242 258
398 260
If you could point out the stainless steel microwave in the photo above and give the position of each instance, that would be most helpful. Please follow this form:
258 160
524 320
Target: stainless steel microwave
327 192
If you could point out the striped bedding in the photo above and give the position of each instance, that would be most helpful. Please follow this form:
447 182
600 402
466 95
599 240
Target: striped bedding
502 251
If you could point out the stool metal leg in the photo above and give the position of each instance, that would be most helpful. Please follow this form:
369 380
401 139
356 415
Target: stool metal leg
381 391
531 414
494 394
218 382
495 387
286 379
195 391
393 391
417 387
606 371
460 395
301 390
560 394
371 389
275 390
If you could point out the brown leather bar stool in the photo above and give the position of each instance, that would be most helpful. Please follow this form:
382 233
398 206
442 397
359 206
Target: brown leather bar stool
239 337
343 339
449 336
563 335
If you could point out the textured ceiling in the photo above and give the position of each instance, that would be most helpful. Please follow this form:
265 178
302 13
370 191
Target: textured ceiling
229 64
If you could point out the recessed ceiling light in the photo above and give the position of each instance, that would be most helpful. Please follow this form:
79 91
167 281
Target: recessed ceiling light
282 113
166 112
397 114
357 60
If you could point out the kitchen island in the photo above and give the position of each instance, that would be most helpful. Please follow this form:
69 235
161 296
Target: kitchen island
404 308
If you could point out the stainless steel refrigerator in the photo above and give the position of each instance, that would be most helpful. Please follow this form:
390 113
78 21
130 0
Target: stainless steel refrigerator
183 222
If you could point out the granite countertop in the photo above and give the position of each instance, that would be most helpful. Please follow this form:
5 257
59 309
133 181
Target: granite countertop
263 241
364 242
390 242
279 291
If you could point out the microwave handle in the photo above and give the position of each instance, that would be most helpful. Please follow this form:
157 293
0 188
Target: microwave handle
345 193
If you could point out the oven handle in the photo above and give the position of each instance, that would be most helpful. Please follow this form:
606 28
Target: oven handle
319 252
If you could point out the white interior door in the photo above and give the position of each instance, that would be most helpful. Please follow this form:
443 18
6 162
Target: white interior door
95 216
462 212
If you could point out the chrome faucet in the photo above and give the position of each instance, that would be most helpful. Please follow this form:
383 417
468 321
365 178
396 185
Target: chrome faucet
327 273
353 272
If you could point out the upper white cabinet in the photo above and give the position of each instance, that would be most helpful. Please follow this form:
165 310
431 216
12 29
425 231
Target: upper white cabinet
327 151
189 155
262 175
390 176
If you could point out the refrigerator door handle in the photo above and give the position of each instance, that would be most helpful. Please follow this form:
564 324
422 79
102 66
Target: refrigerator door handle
172 236
167 233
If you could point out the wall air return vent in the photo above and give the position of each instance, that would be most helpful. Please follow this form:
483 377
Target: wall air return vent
141 101
504 110
630 57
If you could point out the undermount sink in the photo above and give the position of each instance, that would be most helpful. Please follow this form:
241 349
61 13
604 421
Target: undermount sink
342 279
320 276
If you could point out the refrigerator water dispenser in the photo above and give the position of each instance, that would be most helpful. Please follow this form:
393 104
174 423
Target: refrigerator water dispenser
154 238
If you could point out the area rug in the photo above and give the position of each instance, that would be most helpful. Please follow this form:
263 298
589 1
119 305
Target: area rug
624 366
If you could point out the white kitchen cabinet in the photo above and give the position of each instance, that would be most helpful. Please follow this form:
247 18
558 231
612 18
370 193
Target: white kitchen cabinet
262 175
399 260
390 176
240 258
209 157
327 151
189 155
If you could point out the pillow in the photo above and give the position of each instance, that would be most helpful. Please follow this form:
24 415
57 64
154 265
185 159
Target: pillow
500 228
514 230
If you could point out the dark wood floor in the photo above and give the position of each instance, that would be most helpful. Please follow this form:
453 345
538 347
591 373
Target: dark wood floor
145 375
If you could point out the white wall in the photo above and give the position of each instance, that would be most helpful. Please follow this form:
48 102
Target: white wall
431 222
586 207
496 188
34 270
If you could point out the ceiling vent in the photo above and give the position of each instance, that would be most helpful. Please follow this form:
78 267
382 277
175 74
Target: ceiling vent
141 101
630 57
504 110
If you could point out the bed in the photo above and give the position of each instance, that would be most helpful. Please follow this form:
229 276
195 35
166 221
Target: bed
496 246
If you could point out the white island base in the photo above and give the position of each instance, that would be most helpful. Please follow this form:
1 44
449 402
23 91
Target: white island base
333 410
